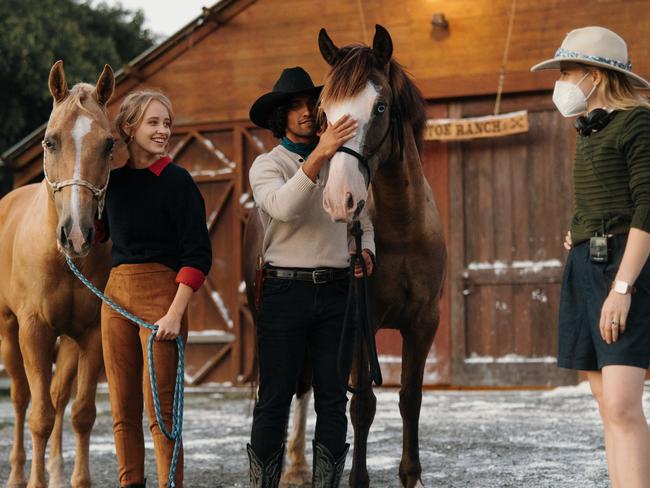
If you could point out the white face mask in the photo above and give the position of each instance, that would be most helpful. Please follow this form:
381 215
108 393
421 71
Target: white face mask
569 99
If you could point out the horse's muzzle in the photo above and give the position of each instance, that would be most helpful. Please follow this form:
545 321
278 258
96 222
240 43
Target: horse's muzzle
74 241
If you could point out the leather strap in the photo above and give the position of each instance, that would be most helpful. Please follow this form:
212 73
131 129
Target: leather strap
316 276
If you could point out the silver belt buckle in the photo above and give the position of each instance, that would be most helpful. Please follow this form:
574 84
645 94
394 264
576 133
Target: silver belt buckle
319 276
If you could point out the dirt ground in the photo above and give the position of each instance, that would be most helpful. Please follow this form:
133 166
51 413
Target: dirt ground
477 439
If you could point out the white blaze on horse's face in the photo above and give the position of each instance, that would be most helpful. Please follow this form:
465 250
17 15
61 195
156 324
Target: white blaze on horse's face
346 184
81 128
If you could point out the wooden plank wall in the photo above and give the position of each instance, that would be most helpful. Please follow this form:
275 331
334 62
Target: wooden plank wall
220 76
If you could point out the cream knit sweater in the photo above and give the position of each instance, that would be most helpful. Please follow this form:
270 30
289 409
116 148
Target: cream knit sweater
298 233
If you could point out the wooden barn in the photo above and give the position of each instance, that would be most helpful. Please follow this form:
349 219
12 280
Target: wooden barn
505 201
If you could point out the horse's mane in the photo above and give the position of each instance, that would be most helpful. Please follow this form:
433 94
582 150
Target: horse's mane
82 96
350 74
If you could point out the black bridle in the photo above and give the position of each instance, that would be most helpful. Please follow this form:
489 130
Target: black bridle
394 125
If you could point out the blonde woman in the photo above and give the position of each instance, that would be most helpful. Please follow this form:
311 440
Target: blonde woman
604 324
160 256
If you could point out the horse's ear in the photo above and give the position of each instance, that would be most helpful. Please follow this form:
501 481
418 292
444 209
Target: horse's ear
327 47
57 83
382 45
105 85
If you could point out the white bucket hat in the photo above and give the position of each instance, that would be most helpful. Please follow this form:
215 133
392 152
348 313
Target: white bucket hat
595 46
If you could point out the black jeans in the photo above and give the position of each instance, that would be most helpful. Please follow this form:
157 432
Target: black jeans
295 315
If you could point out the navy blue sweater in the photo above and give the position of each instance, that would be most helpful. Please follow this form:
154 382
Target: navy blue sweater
157 218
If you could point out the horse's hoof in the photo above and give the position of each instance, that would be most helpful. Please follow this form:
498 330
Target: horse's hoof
55 468
411 484
16 484
80 483
296 477
36 485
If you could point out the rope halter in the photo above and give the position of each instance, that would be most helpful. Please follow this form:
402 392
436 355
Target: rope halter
99 193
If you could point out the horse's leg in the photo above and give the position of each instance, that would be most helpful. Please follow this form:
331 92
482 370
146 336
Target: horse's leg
362 412
298 472
66 369
37 346
83 409
415 349
12 359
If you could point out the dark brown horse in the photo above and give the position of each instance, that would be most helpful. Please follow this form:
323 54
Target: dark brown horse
382 173
40 299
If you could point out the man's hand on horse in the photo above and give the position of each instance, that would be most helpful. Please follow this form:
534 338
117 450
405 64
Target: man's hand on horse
168 327
335 135
358 272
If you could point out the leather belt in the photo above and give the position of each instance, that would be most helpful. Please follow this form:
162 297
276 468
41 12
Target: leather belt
317 276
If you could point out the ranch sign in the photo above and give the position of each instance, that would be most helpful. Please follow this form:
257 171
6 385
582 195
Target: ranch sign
476 127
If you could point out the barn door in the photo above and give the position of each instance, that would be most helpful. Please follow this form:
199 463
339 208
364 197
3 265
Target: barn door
208 155
511 203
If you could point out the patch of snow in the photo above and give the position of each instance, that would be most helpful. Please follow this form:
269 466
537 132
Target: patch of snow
539 295
221 306
500 267
242 287
211 219
582 388
258 142
206 332
536 266
220 154
394 359
502 306
210 172
509 358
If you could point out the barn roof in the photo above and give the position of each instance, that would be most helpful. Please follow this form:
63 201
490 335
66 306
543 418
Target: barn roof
216 77
210 19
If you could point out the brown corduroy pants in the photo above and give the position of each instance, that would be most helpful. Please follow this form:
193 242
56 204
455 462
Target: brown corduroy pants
147 291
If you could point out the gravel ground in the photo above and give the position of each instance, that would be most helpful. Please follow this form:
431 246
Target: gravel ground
477 439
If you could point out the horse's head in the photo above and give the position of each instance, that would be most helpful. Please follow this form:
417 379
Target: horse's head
359 84
77 158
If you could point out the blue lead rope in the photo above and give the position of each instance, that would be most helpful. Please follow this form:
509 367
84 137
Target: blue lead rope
177 410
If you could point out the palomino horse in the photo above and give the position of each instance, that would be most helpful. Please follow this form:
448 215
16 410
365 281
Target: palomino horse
406 286
40 299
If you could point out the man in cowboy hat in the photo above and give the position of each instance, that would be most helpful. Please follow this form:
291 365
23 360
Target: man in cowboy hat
304 295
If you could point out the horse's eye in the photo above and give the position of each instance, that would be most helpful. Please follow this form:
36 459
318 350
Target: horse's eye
109 146
380 108
48 144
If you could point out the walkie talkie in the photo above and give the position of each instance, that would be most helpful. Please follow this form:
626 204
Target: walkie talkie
599 246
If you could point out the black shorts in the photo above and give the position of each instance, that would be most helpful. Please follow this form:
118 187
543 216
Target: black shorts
585 287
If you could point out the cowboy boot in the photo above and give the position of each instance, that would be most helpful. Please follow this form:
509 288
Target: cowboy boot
327 470
265 475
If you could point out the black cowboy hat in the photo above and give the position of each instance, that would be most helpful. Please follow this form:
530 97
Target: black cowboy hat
292 82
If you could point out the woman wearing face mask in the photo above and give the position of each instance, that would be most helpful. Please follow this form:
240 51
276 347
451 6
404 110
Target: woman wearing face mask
161 254
604 324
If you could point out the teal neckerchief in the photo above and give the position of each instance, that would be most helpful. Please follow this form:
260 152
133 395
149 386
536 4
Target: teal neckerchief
299 148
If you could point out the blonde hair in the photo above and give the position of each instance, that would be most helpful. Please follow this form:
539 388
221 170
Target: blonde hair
619 93
134 106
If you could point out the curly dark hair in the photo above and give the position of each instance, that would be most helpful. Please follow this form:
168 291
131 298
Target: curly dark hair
278 120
